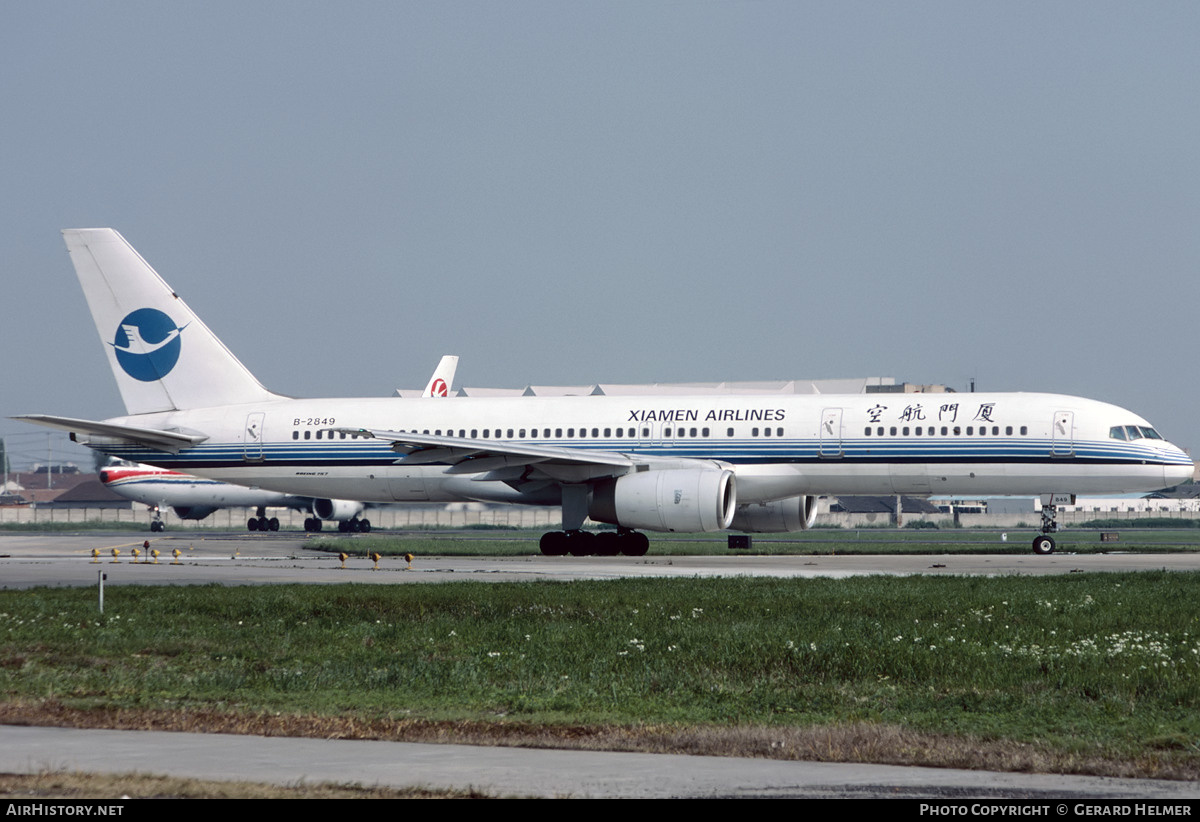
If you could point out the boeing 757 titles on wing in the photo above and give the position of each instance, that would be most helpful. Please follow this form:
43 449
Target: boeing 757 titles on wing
652 463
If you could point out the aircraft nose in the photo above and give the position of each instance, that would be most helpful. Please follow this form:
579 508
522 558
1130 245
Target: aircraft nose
1176 474
1180 469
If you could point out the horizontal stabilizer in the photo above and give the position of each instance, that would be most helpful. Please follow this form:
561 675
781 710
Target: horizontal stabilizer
152 437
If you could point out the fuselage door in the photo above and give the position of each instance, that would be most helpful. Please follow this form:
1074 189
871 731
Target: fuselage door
830 434
252 437
649 434
1062 434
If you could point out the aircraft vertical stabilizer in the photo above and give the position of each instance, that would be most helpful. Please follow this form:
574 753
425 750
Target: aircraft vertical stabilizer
163 356
443 377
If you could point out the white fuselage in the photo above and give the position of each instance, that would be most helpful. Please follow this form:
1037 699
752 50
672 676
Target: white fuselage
779 446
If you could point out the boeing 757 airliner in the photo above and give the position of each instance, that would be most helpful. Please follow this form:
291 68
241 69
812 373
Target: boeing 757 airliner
651 463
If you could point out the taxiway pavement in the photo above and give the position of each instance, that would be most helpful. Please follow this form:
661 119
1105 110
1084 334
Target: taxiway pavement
65 560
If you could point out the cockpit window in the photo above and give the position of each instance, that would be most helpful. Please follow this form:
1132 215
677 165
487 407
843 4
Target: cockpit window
1134 432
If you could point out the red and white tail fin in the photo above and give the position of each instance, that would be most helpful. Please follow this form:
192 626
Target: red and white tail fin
443 377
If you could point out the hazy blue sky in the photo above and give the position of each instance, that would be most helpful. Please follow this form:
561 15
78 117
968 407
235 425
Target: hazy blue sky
577 192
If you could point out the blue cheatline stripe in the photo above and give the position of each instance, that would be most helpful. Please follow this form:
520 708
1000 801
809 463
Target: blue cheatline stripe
737 451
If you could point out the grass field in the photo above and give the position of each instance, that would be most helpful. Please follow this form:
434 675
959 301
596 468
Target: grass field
1086 673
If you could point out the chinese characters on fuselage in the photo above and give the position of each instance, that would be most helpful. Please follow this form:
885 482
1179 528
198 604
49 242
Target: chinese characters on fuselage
948 412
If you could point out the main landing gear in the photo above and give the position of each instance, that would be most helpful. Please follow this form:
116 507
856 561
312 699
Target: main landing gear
580 543
261 523
573 540
346 526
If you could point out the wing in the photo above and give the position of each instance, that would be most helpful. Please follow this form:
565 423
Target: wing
498 461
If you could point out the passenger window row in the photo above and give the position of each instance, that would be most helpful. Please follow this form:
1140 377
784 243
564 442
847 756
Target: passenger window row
546 433
946 431
326 434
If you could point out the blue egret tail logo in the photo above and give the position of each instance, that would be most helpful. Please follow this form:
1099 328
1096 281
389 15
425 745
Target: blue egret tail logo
147 344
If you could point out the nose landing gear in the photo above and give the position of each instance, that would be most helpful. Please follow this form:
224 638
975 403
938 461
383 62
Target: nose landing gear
1043 543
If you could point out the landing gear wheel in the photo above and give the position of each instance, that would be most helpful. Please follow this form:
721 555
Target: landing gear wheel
553 544
252 524
634 544
364 526
157 525
580 543
1043 544
608 544
273 524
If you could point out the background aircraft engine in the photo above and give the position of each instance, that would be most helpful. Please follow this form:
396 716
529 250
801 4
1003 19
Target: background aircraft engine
339 509
679 499
792 514
193 511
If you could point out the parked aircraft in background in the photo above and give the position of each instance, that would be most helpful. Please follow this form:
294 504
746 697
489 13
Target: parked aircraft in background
193 497
442 381
650 463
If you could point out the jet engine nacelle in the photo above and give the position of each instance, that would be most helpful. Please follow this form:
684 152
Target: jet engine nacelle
791 514
677 499
338 509
193 511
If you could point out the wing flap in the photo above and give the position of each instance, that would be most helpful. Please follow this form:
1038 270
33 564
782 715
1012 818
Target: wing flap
478 464
433 456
